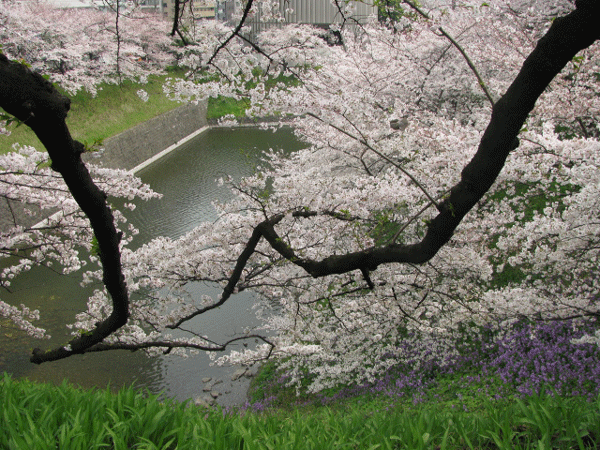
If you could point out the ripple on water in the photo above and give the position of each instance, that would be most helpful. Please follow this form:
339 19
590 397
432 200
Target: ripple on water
186 177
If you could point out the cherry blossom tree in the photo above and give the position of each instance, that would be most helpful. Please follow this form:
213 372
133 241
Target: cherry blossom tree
408 129
84 48
450 181
107 53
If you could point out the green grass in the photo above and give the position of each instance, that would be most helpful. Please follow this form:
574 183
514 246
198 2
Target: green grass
222 106
113 110
117 108
41 416
449 392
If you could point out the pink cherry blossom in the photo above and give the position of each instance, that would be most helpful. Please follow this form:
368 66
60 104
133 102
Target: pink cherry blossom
391 118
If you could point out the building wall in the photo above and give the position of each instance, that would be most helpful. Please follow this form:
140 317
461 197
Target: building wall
151 5
226 9
313 12
202 9
148 5
71 3
323 12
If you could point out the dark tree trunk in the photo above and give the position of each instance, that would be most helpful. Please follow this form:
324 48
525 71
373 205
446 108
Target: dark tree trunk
33 100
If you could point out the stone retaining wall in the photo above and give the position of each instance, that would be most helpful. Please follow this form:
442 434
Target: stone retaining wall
129 150
143 142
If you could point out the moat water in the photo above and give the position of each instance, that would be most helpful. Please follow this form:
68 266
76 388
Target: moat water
187 179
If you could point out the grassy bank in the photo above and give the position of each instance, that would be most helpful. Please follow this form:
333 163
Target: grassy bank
112 111
40 416
483 399
118 108
223 106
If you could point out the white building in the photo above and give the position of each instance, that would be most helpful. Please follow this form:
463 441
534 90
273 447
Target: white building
201 9
149 5
321 13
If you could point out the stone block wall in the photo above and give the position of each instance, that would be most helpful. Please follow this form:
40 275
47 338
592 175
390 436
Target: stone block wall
131 148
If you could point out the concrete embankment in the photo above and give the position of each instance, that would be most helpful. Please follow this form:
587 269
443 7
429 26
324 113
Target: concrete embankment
131 150
141 145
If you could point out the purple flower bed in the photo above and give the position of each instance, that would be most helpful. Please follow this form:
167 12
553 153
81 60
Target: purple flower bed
528 358
540 356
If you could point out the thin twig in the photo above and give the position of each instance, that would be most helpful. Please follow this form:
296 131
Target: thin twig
381 155
471 65
234 33
459 48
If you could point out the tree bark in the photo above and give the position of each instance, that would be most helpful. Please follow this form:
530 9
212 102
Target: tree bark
565 38
34 101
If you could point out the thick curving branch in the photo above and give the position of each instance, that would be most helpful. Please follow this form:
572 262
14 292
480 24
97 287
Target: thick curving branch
169 346
567 36
33 100
242 260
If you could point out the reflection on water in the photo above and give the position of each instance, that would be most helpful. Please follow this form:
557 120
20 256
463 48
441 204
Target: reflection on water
60 298
186 178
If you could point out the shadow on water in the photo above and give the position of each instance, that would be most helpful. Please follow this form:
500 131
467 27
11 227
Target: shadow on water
187 180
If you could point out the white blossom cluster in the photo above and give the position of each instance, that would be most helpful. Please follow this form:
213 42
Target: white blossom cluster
537 228
83 48
48 228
